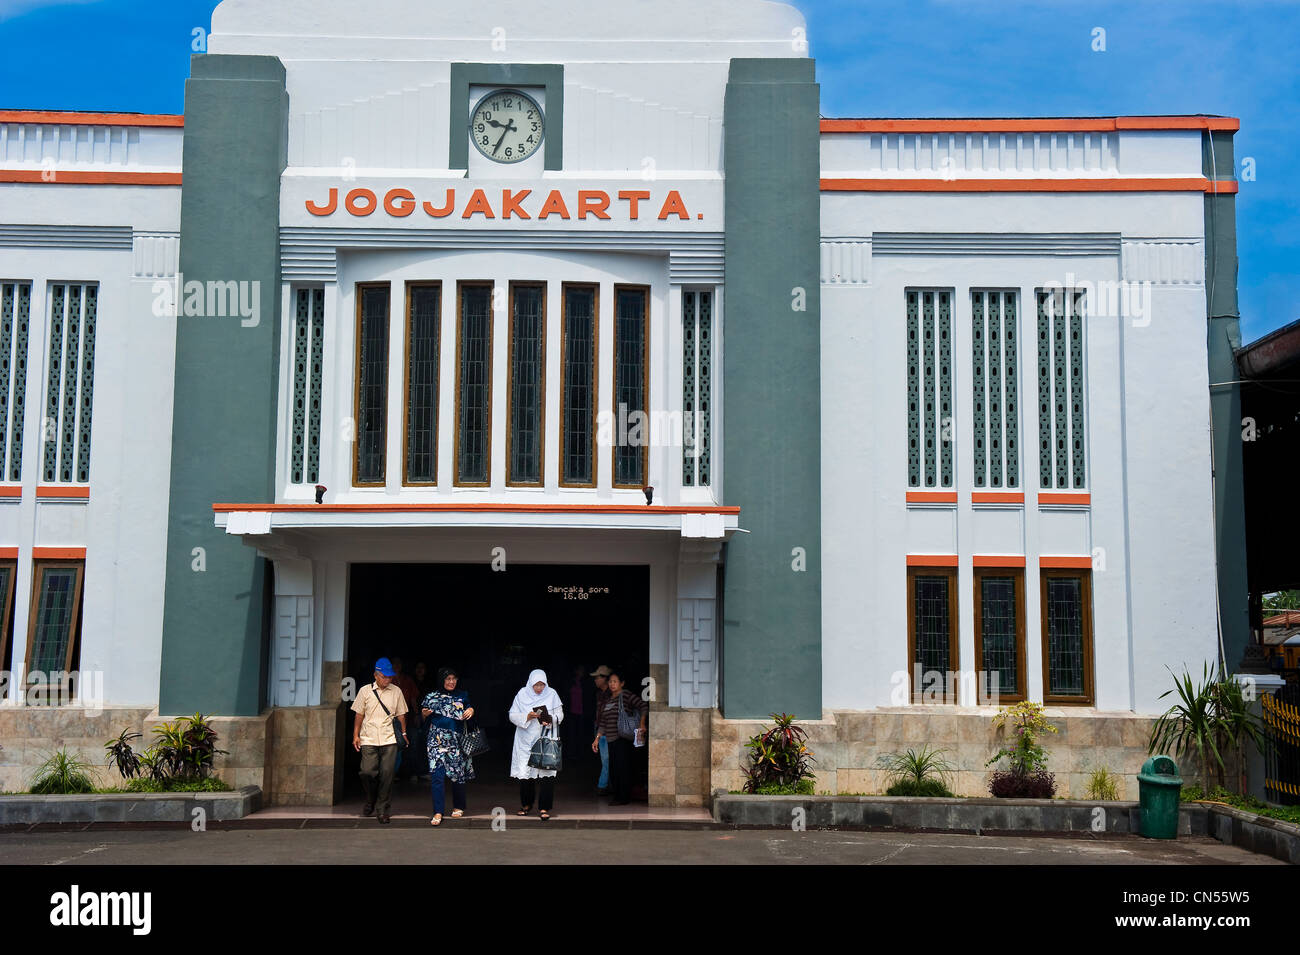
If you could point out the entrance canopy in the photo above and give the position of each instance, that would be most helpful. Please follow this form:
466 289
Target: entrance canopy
272 528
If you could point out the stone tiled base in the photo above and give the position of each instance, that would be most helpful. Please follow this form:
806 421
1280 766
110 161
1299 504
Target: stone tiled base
848 744
304 755
29 734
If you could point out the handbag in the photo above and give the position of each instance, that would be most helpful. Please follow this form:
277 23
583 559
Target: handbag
545 753
628 721
473 741
398 736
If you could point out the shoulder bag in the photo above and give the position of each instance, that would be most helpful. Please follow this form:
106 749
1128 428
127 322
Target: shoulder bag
398 736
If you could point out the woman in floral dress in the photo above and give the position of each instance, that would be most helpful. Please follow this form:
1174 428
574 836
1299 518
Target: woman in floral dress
444 710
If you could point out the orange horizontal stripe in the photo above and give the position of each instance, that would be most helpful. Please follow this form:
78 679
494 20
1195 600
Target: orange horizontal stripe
8 553
931 560
76 118
11 490
998 560
1180 184
58 553
69 177
1074 563
997 497
931 497
62 491
1062 497
501 508
1046 125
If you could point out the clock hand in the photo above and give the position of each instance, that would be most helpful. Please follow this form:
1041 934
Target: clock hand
510 127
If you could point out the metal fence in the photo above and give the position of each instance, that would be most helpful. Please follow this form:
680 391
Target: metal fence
1281 711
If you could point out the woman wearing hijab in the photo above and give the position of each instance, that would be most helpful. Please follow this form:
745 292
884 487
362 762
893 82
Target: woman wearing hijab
535 706
444 710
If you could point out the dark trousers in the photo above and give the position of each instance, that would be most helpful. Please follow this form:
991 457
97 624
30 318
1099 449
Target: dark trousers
377 766
528 790
620 768
440 792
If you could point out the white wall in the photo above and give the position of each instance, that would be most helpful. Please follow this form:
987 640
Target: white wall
1146 420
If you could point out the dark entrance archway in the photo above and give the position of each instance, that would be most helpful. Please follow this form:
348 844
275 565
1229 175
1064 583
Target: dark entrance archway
494 627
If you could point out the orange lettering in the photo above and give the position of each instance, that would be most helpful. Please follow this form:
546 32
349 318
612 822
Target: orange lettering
441 212
328 208
673 206
593 201
361 202
633 197
478 202
510 203
396 196
554 205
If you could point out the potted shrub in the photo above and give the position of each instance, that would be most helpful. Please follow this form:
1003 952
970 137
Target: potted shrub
1025 775
778 760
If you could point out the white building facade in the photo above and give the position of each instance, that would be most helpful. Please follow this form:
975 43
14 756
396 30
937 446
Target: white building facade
861 401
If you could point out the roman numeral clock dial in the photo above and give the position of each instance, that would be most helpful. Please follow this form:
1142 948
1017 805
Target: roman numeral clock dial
507 126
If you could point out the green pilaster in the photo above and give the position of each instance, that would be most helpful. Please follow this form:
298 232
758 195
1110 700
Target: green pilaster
771 635
1224 337
224 418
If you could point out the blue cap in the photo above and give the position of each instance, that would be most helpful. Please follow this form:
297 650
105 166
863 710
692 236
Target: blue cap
383 666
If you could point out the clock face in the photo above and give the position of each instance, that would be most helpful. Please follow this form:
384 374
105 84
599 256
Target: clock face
507 126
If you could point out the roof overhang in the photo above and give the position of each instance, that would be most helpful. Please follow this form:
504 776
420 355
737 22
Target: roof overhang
259 525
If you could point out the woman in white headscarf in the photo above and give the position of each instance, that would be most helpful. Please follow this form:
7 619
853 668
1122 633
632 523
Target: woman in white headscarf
536 706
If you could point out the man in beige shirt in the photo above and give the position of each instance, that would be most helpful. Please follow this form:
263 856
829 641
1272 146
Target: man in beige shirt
381 714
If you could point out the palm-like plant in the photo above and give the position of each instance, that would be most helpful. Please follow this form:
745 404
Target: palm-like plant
61 773
1191 724
917 767
1236 721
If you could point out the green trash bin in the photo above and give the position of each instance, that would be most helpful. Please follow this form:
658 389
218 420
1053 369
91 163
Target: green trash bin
1158 787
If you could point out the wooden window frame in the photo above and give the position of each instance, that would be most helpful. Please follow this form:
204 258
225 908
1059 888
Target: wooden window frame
6 622
1018 574
1089 660
406 385
38 566
595 380
510 388
461 285
950 692
360 289
645 391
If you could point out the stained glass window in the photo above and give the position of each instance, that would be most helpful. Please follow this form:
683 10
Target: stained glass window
1066 620
475 392
58 593
578 399
994 385
630 410
933 630
527 397
372 383
15 308
998 636
929 389
424 304
1061 435
70 382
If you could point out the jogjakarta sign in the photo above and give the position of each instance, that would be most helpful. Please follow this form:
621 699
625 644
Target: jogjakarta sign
594 205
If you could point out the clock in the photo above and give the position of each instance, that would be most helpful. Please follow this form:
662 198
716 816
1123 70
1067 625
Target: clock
507 126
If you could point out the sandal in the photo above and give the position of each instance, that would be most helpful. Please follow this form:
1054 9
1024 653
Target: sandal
457 813
545 815
436 820
525 811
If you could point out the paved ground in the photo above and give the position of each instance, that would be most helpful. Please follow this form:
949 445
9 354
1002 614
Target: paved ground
533 844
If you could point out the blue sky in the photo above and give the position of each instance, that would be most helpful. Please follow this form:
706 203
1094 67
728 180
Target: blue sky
919 58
